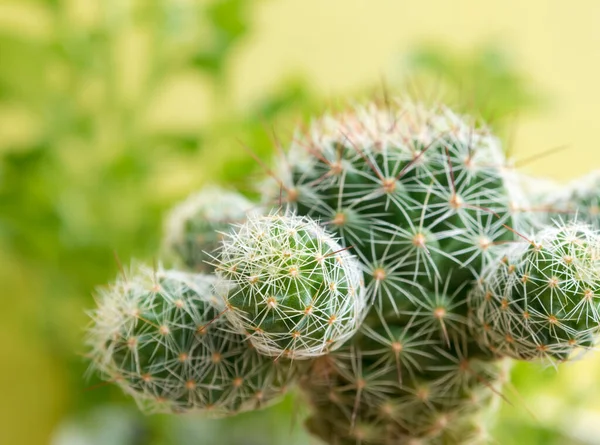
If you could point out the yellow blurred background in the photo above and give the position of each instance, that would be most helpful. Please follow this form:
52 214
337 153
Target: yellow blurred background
112 110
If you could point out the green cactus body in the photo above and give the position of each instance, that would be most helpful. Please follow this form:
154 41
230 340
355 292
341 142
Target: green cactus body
395 386
194 228
420 202
295 291
158 336
542 299
417 190
424 198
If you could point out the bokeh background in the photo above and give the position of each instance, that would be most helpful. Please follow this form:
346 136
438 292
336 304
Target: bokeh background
113 110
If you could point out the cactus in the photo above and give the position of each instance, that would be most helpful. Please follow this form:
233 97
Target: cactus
392 386
580 200
419 185
424 197
397 267
193 228
157 335
296 291
541 299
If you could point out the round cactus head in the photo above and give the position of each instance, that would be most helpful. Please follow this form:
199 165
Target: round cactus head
156 334
293 289
193 228
543 298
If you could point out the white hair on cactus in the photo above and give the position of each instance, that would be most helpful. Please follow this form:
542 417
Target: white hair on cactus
541 299
156 334
295 290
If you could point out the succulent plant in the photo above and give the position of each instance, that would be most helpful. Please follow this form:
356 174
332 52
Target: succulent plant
541 299
395 269
580 200
157 335
294 290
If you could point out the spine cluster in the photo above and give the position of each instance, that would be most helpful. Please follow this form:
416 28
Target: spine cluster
294 290
540 299
157 334
393 270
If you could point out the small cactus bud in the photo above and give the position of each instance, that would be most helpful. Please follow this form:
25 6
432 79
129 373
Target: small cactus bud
580 199
193 228
294 289
543 300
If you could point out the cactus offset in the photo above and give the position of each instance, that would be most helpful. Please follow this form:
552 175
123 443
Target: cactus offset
541 299
193 228
296 291
157 334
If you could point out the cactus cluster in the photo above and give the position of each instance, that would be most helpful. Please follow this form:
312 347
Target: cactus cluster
395 266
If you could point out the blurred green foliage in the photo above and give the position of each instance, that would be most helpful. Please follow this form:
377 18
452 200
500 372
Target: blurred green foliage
483 80
94 171
119 424
97 141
